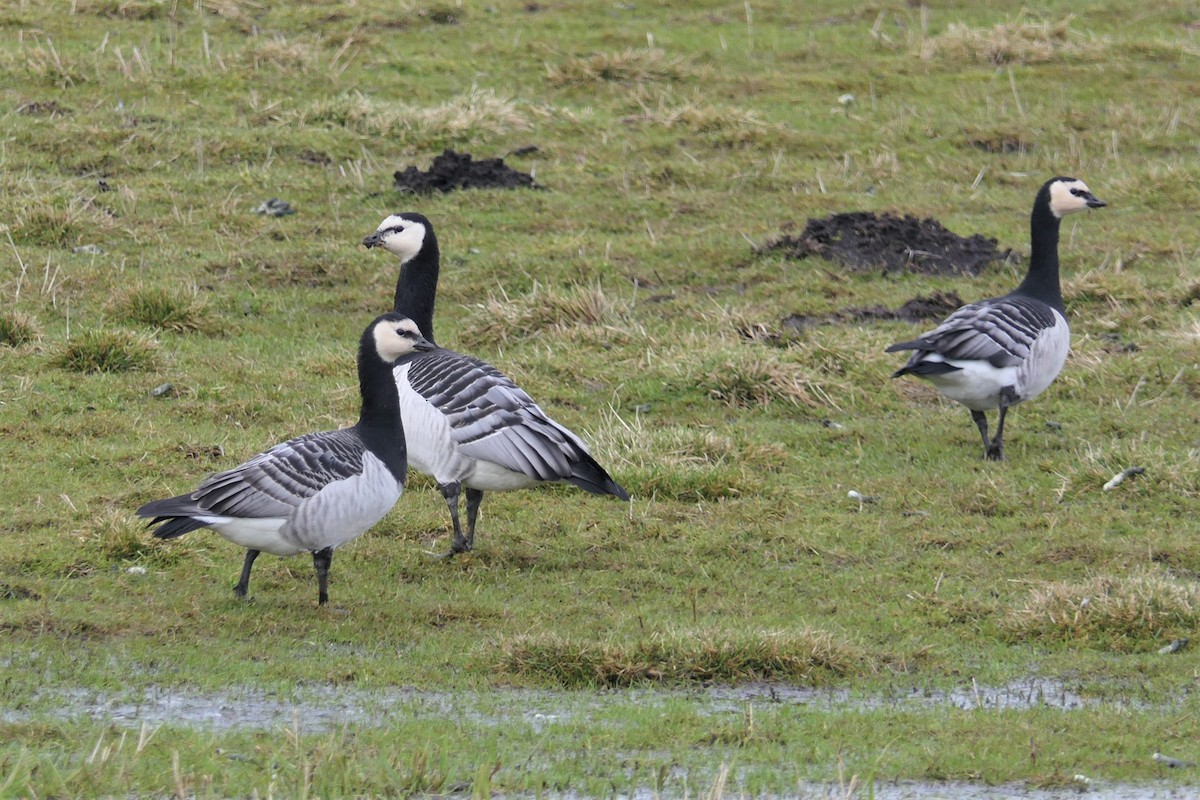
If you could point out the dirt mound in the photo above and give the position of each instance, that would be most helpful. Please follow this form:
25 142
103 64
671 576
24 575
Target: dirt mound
918 309
862 240
452 170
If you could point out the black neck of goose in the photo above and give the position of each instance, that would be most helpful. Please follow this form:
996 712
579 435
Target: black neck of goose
1042 281
379 418
416 288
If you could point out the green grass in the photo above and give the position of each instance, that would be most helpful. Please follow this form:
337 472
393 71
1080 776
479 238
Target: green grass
633 301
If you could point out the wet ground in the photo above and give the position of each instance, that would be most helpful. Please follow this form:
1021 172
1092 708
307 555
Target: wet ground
863 240
452 170
319 708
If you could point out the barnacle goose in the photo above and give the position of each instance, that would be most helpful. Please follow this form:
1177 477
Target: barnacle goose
469 426
1005 350
316 492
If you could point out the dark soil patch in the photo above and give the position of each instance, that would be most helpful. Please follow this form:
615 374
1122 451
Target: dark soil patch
314 157
1005 145
918 309
1113 343
11 592
862 240
452 170
48 108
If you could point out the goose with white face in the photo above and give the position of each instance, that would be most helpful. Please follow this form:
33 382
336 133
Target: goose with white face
394 340
400 235
1068 195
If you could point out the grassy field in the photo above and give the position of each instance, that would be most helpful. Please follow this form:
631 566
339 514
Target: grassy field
630 298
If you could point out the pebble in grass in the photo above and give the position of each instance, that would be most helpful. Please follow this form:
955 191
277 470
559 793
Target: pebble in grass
275 208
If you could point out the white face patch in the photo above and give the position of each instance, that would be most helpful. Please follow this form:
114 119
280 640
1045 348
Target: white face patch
396 339
1064 200
404 237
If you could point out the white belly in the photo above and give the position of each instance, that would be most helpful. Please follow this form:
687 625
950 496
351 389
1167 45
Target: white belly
344 509
976 384
431 447
339 512
489 477
1046 359
254 534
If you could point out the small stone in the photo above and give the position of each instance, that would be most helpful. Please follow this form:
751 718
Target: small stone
1171 763
275 208
163 390
88 250
1174 647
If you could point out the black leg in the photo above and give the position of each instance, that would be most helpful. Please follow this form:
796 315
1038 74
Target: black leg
981 423
243 584
474 498
995 450
451 491
321 561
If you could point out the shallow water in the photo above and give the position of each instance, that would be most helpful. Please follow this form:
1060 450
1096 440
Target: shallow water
312 709
928 790
319 708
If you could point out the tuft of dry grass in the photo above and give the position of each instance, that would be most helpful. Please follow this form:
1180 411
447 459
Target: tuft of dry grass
475 112
1126 613
128 10
17 328
114 535
627 66
723 124
108 351
43 62
162 309
1020 41
628 443
57 222
759 376
805 656
281 54
544 308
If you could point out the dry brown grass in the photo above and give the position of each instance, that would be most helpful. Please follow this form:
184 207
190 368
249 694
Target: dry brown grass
108 351
475 112
18 328
544 308
723 124
52 220
753 375
156 307
804 656
124 9
42 61
629 443
1129 613
1020 41
281 54
627 66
